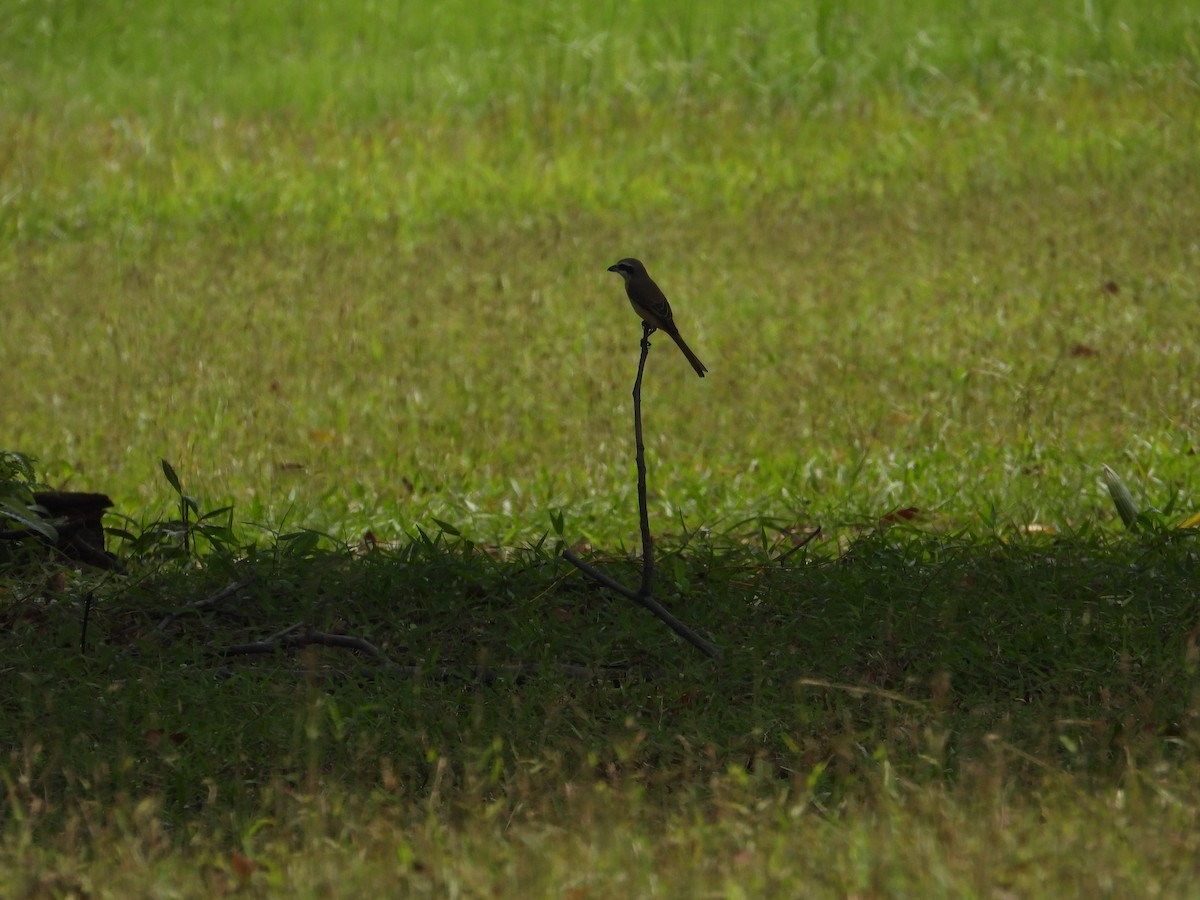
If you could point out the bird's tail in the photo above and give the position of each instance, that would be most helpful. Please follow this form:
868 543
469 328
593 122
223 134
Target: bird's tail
691 357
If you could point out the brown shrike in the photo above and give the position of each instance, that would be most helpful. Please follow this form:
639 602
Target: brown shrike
650 303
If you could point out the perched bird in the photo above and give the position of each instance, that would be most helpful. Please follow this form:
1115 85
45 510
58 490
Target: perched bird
650 303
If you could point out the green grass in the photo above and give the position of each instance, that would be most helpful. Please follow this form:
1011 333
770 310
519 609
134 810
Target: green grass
884 337
546 60
327 307
917 715
600 843
345 269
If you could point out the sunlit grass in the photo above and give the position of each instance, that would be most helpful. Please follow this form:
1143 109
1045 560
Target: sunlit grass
290 336
550 61
726 838
938 261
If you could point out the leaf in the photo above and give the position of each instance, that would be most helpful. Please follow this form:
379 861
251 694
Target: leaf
300 544
35 523
1122 499
242 865
216 512
17 467
169 471
447 528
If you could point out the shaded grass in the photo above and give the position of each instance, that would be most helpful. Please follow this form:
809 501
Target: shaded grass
1075 652
912 713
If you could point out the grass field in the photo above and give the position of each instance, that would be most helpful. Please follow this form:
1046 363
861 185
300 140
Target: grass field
345 269
324 291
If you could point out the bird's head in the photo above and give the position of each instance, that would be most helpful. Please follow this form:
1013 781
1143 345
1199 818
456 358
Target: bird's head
628 268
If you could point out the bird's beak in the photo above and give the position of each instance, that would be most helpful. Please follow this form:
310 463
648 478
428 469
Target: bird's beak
613 268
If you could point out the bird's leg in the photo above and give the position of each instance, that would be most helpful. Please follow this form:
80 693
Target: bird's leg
647 330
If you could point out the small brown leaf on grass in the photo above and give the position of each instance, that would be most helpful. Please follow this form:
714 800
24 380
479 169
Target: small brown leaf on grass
901 515
1082 351
154 737
242 865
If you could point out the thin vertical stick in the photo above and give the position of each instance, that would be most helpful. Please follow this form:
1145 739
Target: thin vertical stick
644 595
643 510
87 612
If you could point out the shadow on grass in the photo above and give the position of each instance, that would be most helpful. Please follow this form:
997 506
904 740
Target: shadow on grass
921 654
